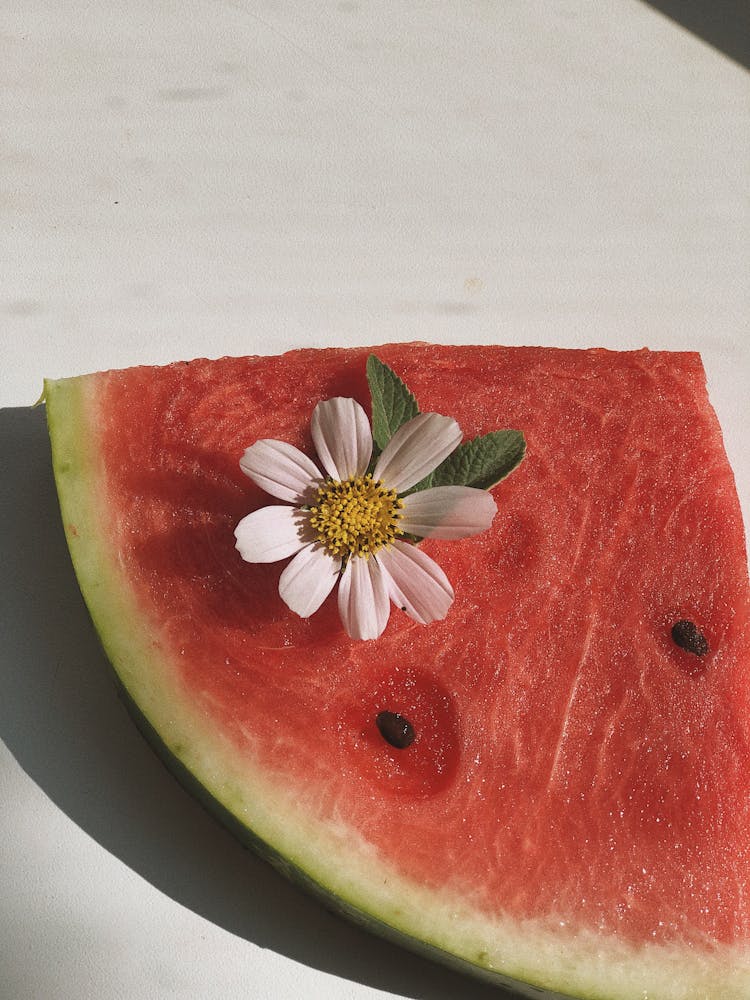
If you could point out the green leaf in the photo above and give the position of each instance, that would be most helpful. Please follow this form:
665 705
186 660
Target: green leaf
481 463
392 403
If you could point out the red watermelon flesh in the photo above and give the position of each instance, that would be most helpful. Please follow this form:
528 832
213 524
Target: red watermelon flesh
578 780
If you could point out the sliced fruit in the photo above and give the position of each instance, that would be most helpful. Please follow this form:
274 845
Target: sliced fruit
573 810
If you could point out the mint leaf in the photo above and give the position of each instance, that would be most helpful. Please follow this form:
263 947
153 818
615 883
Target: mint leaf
481 463
392 403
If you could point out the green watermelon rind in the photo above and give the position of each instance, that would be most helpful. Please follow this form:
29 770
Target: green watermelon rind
558 964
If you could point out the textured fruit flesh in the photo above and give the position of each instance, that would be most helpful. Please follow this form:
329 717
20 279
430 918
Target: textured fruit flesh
570 760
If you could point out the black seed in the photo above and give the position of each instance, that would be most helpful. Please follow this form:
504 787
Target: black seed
687 635
395 729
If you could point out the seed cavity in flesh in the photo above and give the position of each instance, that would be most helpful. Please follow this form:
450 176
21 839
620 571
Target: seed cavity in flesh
395 729
688 636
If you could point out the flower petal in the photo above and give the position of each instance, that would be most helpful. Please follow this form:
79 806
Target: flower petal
417 447
342 437
271 533
363 599
308 579
416 583
281 470
447 512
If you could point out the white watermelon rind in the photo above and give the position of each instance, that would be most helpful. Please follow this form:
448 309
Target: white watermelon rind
537 957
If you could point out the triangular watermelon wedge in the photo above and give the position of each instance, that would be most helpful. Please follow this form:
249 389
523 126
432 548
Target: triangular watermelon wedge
574 813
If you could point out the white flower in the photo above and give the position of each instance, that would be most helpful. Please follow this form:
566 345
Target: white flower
345 525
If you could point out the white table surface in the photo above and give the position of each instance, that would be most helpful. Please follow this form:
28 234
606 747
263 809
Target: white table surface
209 177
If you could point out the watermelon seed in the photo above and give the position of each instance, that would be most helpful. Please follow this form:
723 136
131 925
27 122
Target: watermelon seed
395 729
687 635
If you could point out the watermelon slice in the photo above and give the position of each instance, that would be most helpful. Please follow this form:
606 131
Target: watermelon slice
574 810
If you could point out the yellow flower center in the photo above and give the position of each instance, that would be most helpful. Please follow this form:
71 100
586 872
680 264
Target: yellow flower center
355 517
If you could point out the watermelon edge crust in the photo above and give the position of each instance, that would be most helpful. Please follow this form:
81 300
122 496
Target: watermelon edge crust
305 881
534 957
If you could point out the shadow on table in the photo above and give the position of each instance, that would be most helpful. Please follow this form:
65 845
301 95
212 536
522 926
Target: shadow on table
61 719
724 24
